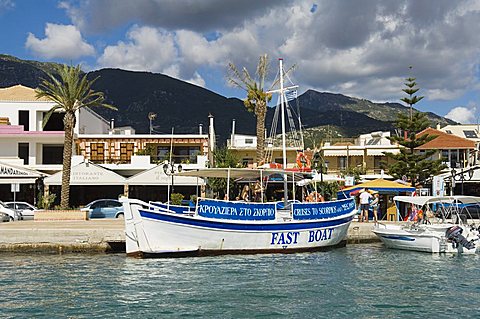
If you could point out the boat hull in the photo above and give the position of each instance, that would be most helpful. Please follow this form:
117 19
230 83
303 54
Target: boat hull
152 233
424 238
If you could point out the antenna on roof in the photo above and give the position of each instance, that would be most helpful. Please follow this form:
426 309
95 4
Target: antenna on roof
151 117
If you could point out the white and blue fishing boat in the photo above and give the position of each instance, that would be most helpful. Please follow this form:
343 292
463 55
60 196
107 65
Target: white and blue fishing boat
215 227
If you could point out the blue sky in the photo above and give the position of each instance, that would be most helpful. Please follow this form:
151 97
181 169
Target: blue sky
360 48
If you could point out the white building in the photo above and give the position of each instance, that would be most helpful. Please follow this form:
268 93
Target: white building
30 149
24 140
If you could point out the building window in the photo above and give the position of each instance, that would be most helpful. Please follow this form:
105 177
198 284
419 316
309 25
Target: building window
454 163
52 154
470 134
55 122
23 152
445 155
24 119
186 154
163 153
342 162
278 160
249 141
377 164
126 151
247 161
97 152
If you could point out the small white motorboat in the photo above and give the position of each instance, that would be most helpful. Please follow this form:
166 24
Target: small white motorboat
438 225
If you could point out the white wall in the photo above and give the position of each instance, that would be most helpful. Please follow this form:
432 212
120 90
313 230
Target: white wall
240 141
8 148
88 122
10 110
86 119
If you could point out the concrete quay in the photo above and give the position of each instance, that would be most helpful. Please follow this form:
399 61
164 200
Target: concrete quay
62 236
98 236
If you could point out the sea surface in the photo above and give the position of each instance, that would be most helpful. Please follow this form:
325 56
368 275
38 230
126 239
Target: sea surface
359 281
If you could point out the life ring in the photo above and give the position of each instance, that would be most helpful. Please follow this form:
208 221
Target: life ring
302 160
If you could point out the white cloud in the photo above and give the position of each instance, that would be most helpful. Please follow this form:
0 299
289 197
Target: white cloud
362 48
462 114
6 5
197 80
147 49
61 41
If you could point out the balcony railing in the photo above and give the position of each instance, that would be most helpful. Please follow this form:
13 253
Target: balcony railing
177 159
110 160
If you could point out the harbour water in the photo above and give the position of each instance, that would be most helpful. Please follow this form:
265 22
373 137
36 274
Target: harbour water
359 281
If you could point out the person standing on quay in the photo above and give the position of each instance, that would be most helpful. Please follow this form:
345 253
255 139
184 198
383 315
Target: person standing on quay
365 197
375 204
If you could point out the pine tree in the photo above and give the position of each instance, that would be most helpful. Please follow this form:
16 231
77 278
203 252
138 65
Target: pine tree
416 166
411 89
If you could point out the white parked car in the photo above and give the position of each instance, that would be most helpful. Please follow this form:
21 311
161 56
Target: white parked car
14 215
4 217
26 210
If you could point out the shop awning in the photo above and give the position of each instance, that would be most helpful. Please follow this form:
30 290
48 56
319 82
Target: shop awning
87 173
378 185
381 152
11 174
156 176
342 152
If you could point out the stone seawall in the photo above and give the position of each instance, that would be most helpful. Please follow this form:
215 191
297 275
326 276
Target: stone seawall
97 236
43 215
61 236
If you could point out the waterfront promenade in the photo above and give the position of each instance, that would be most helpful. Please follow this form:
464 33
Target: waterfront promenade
97 236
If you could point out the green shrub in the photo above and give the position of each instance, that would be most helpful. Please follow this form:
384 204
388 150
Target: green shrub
45 202
176 198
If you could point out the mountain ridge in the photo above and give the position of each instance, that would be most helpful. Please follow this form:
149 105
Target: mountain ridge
184 106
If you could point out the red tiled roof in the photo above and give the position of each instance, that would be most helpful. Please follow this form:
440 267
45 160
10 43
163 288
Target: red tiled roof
444 141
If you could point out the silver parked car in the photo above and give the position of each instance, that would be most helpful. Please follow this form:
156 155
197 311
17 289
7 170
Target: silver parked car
27 210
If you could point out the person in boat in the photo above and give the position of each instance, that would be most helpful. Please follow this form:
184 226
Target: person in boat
245 193
365 197
314 197
258 189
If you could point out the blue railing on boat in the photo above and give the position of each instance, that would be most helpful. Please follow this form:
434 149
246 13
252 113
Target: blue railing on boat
175 208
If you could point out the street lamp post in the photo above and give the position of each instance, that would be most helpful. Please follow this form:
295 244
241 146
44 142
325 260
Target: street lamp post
169 168
462 176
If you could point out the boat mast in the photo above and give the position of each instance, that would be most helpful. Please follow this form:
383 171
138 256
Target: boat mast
284 142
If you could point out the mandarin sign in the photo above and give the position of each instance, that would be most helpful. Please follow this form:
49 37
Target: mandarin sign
10 171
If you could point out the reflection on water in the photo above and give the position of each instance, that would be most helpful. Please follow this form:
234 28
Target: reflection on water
359 281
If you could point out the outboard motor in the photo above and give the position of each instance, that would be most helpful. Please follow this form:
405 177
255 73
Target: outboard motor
454 234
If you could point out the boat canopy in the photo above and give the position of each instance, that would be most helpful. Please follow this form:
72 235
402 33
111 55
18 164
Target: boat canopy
235 172
422 200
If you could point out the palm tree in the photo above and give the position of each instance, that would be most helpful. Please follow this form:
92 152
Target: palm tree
257 98
70 90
